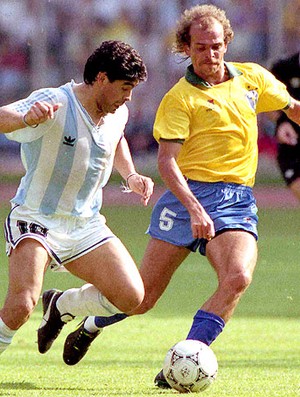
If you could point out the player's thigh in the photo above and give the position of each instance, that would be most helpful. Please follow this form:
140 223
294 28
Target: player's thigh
160 261
27 265
233 252
111 269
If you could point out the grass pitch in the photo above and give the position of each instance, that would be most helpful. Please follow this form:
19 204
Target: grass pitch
258 353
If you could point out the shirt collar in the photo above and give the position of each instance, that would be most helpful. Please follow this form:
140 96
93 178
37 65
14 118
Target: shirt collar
194 79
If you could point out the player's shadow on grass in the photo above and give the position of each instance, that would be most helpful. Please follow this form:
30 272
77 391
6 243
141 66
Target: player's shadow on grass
32 386
17 386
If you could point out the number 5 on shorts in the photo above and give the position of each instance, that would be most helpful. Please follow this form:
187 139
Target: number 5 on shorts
166 220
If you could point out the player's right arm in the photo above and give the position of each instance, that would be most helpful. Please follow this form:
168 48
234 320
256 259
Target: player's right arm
293 111
39 112
201 223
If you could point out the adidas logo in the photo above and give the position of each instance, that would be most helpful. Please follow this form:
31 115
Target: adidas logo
68 140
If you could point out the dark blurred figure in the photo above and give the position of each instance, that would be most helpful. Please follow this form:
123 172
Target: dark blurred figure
287 132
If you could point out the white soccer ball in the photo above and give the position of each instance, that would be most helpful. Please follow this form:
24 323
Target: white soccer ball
190 366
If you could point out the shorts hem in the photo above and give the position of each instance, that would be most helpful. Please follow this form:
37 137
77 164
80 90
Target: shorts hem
11 245
60 266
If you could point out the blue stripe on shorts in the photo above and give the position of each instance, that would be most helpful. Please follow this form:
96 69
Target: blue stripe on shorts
231 206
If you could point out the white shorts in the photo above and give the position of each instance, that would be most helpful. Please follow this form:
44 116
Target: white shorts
65 238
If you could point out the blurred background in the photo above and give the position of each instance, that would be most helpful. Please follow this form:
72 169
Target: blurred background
46 43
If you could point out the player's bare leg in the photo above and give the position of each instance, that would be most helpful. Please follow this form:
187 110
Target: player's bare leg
111 261
27 264
160 261
114 286
233 255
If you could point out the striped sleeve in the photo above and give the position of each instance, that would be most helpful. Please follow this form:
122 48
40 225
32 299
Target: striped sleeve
22 106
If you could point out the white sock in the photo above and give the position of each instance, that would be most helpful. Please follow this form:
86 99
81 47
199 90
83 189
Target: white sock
6 335
90 326
85 301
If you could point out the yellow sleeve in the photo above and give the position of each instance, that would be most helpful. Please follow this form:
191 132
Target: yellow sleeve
172 118
274 94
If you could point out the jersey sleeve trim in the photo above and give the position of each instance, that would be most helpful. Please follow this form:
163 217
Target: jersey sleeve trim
172 140
288 105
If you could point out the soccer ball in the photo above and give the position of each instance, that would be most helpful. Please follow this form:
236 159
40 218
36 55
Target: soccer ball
190 366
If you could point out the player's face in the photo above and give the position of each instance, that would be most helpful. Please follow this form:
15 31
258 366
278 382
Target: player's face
207 49
115 94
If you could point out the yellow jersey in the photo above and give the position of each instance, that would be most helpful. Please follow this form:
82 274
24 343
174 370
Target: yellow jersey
217 125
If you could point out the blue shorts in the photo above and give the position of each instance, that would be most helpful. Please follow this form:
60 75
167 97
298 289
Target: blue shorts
229 205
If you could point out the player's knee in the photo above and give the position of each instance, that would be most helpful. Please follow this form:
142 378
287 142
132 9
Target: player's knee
237 283
26 306
147 304
132 301
23 307
242 282
144 308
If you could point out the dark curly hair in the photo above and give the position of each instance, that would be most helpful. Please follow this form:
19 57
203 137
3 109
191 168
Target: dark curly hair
200 13
118 60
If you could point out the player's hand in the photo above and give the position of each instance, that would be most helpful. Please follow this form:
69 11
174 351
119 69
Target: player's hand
286 134
141 185
202 225
40 112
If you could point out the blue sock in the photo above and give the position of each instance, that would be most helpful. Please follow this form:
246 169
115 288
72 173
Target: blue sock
206 327
102 322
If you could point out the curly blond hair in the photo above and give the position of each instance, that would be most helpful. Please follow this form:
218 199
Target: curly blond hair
197 13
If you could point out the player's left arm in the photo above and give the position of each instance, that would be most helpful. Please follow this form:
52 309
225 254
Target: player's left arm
293 111
136 182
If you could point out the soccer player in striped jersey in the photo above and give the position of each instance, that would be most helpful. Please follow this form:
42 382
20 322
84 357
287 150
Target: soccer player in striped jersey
71 138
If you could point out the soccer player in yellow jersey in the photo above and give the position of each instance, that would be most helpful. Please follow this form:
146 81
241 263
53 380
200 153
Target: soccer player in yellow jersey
206 126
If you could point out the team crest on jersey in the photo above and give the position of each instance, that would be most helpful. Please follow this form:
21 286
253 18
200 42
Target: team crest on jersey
252 97
211 104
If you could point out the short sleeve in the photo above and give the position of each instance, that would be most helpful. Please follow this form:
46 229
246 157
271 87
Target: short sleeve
172 119
273 95
28 134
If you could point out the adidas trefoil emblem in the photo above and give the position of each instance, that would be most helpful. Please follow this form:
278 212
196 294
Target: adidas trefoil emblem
68 140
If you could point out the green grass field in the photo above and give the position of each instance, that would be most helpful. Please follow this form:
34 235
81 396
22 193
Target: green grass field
258 353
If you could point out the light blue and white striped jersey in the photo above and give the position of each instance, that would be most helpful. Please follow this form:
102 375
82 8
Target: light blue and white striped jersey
68 160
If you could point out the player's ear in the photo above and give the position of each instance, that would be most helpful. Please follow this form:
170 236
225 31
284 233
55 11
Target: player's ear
186 49
102 78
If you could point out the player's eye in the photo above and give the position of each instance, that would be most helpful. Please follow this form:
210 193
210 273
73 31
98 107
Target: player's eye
217 47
